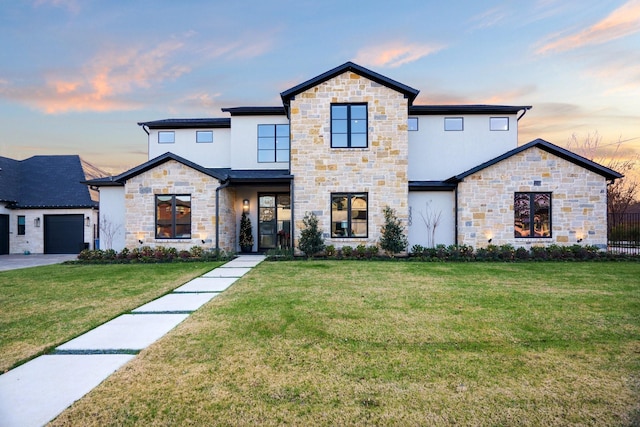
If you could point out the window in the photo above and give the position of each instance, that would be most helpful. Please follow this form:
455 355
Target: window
204 136
413 123
173 216
499 123
349 126
453 123
349 215
21 225
532 213
273 143
165 137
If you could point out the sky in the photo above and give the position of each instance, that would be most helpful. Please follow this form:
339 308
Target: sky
76 76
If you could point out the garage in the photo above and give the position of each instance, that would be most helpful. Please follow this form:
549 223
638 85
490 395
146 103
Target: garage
4 234
63 234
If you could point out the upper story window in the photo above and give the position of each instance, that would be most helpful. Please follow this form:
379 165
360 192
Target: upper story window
204 136
532 215
273 143
499 123
453 123
349 126
349 214
412 123
173 216
166 137
21 225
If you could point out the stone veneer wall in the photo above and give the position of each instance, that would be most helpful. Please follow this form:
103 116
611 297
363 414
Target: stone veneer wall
319 170
578 201
175 178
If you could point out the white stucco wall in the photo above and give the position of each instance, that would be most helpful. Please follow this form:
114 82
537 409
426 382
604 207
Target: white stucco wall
209 155
426 206
244 134
436 154
112 218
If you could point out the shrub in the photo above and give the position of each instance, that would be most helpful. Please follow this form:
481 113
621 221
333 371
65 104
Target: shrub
311 241
393 240
418 250
330 251
347 251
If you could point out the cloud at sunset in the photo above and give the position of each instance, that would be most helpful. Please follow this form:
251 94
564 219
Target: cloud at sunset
395 54
622 22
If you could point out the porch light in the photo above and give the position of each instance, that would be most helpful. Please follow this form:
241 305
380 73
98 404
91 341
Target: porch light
87 221
140 241
36 222
245 206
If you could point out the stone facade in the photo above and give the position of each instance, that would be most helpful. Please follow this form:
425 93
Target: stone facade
578 201
319 170
173 177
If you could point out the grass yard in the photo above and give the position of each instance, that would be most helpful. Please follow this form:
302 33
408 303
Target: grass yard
393 343
43 307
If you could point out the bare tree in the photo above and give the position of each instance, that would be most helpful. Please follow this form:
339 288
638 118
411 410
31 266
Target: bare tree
431 220
623 192
108 230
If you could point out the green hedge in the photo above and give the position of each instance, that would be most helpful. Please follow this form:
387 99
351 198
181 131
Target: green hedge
147 254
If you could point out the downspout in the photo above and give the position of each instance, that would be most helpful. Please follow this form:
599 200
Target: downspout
455 241
291 232
225 184
523 113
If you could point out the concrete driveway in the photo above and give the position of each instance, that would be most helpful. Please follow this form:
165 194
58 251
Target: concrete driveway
13 262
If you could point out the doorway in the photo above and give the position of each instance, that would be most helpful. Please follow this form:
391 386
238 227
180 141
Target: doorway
274 220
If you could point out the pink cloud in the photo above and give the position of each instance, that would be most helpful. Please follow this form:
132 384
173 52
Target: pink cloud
620 23
103 83
394 54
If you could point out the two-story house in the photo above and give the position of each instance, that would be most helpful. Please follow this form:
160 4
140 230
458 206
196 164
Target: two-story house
344 145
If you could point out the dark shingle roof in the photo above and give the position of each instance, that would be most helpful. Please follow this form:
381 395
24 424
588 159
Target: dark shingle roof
549 148
203 123
257 175
45 182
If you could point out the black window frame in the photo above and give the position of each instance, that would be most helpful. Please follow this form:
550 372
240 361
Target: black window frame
349 196
173 234
417 127
167 132
454 118
275 140
198 132
349 132
499 130
22 228
531 201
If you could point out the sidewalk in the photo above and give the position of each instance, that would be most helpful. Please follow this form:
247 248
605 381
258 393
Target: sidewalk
36 392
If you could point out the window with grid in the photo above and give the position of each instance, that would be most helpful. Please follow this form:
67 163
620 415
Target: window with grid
349 126
532 215
273 143
349 214
173 216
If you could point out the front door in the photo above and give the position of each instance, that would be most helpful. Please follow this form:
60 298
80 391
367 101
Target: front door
274 220
4 234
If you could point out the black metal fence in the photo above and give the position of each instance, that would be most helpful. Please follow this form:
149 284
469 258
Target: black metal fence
623 233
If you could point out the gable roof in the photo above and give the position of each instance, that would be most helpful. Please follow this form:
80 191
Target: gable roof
409 92
44 182
221 174
549 148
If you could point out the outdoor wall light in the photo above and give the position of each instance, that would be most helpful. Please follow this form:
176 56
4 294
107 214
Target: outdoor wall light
140 241
489 241
36 222
580 240
87 221
245 206
202 241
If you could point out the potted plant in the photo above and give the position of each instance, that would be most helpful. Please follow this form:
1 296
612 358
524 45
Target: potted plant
246 234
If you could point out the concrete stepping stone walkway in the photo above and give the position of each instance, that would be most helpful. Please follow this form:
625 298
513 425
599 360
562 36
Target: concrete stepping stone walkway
36 392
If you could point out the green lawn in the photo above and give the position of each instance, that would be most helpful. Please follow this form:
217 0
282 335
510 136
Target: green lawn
393 343
43 307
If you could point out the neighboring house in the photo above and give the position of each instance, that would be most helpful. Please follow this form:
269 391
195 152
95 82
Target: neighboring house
344 145
44 207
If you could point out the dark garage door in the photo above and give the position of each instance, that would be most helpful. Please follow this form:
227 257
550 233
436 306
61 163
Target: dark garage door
4 234
63 234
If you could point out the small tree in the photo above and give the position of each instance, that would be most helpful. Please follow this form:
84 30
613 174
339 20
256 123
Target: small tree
246 233
311 241
393 240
